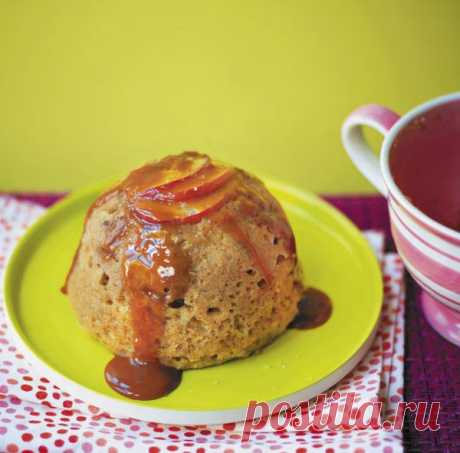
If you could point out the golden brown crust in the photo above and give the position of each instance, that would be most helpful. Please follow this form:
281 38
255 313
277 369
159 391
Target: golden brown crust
230 309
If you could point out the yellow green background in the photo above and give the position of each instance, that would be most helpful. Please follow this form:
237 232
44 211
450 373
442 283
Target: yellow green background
90 88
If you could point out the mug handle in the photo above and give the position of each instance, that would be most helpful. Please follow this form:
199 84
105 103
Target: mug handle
379 118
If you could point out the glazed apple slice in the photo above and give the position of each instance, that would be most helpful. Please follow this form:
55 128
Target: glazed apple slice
165 172
205 181
156 211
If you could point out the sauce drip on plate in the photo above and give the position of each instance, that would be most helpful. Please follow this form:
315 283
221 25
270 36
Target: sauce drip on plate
315 308
141 380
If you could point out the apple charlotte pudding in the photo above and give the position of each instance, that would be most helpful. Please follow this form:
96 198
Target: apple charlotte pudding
186 263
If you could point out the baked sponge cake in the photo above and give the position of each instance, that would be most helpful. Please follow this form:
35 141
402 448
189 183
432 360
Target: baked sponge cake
188 262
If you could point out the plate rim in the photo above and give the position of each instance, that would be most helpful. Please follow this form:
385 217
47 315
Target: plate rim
129 408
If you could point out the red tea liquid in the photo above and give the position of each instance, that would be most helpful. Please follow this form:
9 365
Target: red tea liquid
425 163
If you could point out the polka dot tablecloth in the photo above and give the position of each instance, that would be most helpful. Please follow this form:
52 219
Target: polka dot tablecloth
37 416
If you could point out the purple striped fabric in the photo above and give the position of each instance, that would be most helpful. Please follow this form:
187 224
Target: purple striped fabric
432 365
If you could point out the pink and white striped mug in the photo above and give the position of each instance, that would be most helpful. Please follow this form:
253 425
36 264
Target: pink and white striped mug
419 159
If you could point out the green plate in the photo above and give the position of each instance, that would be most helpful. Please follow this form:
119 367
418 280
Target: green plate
335 257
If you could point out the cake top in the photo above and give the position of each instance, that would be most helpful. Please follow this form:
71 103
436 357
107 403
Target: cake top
179 189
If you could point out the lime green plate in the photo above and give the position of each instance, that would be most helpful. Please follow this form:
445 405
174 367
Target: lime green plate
300 364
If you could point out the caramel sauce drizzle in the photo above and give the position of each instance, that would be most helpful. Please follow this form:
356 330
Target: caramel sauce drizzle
315 308
156 273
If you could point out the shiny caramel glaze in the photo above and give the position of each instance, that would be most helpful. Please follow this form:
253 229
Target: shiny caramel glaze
156 273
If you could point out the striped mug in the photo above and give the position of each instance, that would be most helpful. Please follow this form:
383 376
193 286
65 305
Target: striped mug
429 247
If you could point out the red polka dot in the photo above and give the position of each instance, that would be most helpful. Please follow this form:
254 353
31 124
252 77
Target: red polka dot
45 435
154 450
59 443
41 395
12 448
42 449
73 439
171 448
67 403
27 437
